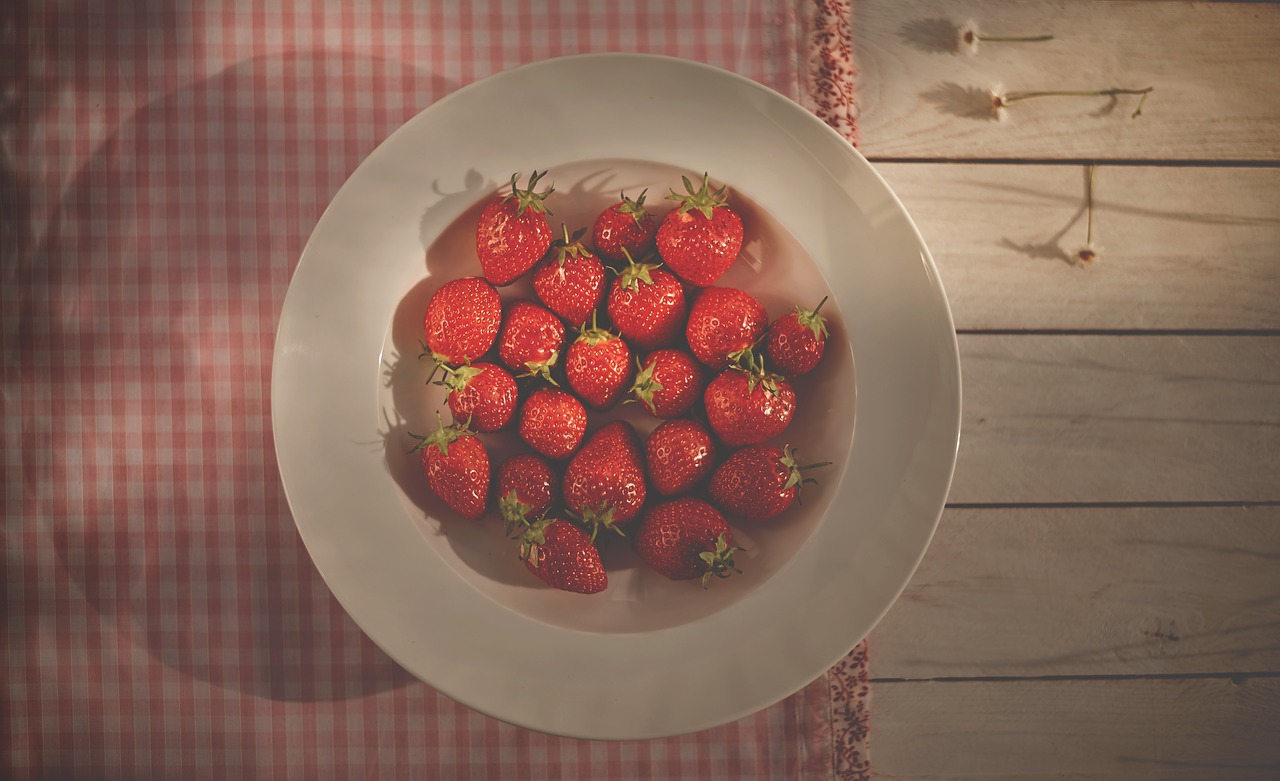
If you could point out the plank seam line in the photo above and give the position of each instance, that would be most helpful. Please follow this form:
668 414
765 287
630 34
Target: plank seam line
1236 678
1078 161
1118 331
1073 505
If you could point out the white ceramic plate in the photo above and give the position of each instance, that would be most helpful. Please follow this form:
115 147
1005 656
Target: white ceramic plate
448 599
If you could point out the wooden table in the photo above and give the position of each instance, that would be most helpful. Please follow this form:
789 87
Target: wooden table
1102 598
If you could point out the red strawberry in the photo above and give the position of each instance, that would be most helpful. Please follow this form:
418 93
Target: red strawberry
483 393
527 487
598 367
746 405
796 340
759 481
604 483
699 240
562 556
513 233
646 305
457 468
724 321
686 538
570 281
625 225
679 454
552 422
462 320
668 383
531 340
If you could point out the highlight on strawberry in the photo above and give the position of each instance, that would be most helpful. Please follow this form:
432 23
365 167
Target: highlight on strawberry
702 237
512 233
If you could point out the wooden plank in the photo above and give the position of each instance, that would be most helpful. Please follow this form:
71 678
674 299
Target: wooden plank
1119 419
920 98
1090 591
1183 247
1133 729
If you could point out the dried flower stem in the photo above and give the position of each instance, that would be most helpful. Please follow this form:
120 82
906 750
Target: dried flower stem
1088 207
1013 38
1110 92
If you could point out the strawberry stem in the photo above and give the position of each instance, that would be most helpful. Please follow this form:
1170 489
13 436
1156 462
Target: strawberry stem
719 562
527 198
702 199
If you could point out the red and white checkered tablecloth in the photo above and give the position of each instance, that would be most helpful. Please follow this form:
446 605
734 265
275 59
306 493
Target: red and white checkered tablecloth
161 167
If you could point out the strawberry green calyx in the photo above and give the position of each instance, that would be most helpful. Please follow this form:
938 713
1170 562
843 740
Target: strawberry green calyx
542 369
513 511
569 247
595 335
530 536
719 562
458 379
634 208
812 320
630 277
527 198
703 199
795 478
749 362
645 385
596 517
442 436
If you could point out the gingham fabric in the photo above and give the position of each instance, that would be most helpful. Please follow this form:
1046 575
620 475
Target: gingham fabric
163 165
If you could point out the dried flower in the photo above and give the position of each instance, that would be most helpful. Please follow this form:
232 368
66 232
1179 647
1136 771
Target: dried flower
1089 252
968 35
1000 101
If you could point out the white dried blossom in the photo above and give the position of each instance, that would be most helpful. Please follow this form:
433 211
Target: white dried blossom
999 103
967 36
1088 254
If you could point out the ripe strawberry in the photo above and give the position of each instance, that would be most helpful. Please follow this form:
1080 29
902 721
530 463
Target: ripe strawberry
724 321
513 233
531 340
562 556
796 340
483 393
598 367
746 405
552 422
462 320
668 382
646 305
759 481
570 281
686 538
699 240
679 454
457 468
624 225
604 483
527 487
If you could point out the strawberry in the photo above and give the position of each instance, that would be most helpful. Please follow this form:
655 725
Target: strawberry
759 481
462 320
598 367
668 383
746 405
512 233
570 281
699 240
604 483
527 487
561 555
552 422
796 340
625 225
679 454
531 340
724 321
685 539
457 468
646 305
483 393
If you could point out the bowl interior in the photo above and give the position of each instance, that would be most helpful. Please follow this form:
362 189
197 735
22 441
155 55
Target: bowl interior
774 267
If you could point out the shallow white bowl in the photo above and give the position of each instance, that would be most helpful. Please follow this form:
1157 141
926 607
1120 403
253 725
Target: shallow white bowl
448 599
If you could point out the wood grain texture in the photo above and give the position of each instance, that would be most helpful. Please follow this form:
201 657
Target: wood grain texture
1119 419
921 98
1183 247
1090 591
1133 729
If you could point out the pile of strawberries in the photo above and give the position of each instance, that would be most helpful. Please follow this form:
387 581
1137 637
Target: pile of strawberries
541 366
